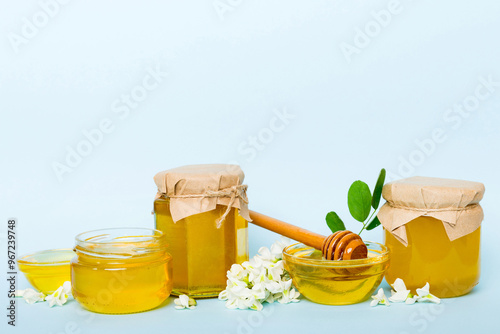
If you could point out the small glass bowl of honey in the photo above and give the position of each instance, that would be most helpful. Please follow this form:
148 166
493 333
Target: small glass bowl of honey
339 282
47 270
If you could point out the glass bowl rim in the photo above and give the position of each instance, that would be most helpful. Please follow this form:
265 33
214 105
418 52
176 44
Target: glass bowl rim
23 260
382 257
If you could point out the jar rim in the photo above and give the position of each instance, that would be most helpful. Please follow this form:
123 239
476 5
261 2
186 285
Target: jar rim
121 242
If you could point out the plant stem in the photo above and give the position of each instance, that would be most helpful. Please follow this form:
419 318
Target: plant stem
367 221
362 229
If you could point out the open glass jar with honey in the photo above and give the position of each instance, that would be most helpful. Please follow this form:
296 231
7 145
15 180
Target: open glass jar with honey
121 270
433 230
202 209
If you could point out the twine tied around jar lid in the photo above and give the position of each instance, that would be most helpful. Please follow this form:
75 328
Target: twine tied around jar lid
396 206
239 191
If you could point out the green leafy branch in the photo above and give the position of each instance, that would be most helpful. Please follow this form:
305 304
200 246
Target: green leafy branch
360 202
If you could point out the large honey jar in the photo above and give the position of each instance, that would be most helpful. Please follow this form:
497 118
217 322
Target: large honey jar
433 230
202 209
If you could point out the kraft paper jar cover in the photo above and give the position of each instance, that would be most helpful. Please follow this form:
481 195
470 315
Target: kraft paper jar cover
454 202
199 188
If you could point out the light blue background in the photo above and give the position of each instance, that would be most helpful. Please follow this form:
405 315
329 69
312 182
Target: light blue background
226 79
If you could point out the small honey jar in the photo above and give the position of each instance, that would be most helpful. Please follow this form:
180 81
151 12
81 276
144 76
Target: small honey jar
203 212
121 270
433 229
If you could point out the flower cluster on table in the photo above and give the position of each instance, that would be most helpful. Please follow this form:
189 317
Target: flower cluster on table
262 279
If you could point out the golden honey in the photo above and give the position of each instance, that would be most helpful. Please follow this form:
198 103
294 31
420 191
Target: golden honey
47 270
339 282
202 253
452 268
121 270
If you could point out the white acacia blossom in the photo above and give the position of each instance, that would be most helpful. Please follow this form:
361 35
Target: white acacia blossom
400 294
60 296
30 296
185 302
423 295
262 279
380 298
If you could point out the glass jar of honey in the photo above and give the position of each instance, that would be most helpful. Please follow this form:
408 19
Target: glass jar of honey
202 210
124 270
432 229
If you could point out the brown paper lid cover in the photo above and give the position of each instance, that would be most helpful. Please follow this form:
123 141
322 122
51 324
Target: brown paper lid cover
454 202
195 189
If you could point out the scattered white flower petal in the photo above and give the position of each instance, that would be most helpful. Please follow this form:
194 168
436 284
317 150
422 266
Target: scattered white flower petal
184 302
261 279
67 287
60 296
379 298
401 294
423 295
30 296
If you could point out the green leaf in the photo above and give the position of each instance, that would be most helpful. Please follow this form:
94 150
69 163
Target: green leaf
359 200
374 223
334 222
377 192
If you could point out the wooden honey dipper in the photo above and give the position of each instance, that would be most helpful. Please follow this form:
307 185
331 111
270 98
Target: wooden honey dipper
341 245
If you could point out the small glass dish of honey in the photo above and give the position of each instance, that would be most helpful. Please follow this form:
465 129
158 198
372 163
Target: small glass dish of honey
47 270
335 282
